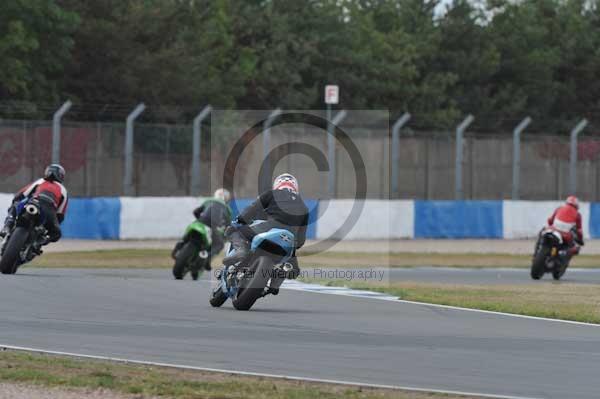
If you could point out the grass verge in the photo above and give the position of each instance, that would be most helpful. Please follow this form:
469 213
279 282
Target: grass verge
160 258
566 301
144 381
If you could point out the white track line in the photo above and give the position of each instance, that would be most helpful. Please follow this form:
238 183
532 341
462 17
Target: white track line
264 375
297 286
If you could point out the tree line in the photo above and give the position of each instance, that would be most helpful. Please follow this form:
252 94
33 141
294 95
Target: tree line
499 59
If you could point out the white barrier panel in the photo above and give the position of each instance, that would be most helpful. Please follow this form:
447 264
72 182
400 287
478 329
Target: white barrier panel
379 219
156 217
524 219
5 201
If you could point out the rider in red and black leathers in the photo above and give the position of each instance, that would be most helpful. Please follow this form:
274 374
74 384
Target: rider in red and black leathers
567 220
53 199
282 207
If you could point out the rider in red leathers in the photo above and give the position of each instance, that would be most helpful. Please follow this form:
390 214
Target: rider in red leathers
53 199
567 220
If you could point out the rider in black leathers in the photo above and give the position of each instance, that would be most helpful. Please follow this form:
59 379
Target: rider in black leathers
282 207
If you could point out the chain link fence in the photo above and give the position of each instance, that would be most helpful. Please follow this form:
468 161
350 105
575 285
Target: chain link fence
93 155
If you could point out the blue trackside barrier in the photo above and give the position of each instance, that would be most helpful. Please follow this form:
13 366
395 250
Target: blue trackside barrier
458 219
116 218
93 218
594 220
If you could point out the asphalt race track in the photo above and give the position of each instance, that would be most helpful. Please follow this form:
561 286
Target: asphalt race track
487 275
451 275
145 315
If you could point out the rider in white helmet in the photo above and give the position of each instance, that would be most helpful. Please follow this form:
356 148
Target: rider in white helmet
282 207
216 214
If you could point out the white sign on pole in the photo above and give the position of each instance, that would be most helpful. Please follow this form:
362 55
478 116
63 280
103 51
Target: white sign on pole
332 94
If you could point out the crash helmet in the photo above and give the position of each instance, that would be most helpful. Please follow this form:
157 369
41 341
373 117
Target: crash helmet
223 194
54 172
573 201
286 182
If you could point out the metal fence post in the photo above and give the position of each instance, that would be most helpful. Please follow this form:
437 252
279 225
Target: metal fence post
128 178
331 149
196 149
516 166
56 130
573 158
458 183
396 151
266 183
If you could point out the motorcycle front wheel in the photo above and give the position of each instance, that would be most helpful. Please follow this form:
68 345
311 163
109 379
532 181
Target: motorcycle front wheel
252 287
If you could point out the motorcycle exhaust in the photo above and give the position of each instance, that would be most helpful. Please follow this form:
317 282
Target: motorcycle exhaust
32 209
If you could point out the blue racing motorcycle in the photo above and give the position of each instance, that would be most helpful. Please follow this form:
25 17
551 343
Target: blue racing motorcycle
25 240
250 280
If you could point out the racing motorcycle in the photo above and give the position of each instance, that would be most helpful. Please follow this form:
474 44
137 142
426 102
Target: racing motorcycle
250 279
192 253
25 240
547 257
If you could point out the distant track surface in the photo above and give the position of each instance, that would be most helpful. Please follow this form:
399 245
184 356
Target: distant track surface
471 246
145 315
449 275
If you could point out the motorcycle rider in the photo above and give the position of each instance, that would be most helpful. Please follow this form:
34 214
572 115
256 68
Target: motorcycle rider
567 220
53 200
282 207
216 214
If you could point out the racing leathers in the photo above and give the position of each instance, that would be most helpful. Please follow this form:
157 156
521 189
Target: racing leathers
567 220
216 214
279 209
53 200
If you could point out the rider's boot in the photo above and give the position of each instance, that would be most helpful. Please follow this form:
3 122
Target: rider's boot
290 271
37 246
9 223
240 249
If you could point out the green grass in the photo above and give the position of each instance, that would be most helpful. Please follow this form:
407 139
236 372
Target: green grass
160 258
566 301
119 258
71 373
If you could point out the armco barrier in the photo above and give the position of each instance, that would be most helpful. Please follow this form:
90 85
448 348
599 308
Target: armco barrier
594 220
458 219
379 219
93 218
156 217
167 217
524 219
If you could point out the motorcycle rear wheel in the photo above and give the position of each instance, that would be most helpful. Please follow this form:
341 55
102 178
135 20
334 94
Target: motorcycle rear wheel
183 260
253 287
8 262
538 264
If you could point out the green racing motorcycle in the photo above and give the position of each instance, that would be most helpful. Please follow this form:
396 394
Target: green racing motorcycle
192 253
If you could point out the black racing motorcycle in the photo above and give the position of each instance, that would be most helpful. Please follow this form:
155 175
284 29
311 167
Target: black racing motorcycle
25 240
550 254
